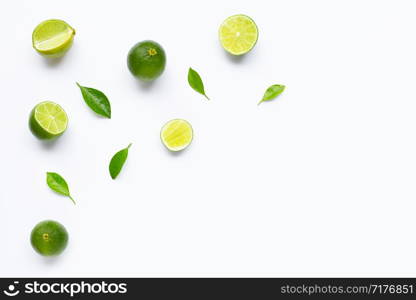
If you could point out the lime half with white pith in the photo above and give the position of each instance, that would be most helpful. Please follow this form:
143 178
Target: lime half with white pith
238 34
53 38
48 120
176 134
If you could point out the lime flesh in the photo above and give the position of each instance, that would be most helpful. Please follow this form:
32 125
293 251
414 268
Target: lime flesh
176 134
49 238
146 60
238 34
53 38
48 120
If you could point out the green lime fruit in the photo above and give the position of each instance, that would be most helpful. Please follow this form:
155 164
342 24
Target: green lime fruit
48 120
53 38
176 134
49 238
146 60
238 34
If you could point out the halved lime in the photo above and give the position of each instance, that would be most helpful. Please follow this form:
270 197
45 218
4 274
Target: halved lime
49 238
238 34
53 38
176 134
48 120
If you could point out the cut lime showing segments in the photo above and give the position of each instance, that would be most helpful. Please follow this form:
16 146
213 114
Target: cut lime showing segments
176 134
53 38
238 34
48 120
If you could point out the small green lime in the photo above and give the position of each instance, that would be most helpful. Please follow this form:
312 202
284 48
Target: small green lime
48 120
49 238
146 60
53 38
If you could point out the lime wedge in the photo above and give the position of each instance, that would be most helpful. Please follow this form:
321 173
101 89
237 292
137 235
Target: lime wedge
176 134
53 38
238 34
48 120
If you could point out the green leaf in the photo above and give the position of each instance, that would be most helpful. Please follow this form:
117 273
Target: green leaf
272 92
117 162
96 100
58 184
195 82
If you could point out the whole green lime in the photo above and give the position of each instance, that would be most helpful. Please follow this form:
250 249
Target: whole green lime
49 238
146 60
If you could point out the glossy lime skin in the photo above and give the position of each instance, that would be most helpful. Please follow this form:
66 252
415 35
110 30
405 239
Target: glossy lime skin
146 60
49 238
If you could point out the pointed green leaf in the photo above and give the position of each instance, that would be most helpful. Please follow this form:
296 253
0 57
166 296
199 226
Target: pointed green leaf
96 100
117 162
272 92
58 184
195 82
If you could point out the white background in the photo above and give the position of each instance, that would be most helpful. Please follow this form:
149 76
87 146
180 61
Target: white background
319 182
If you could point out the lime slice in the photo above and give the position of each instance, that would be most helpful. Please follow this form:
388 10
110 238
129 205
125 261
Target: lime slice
176 134
53 38
48 120
238 34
